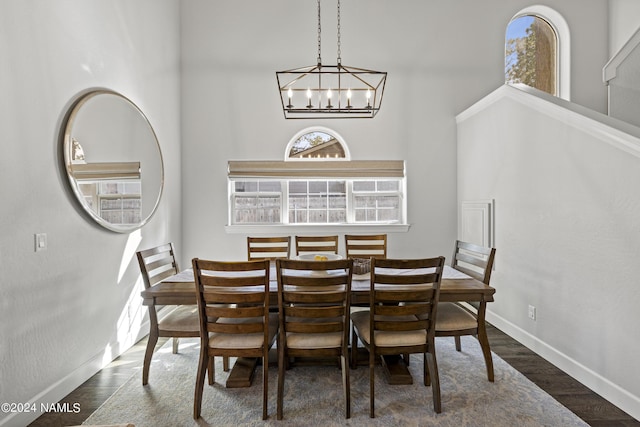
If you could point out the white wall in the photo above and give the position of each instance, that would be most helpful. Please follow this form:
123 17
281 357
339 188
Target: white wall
624 20
67 310
567 231
441 58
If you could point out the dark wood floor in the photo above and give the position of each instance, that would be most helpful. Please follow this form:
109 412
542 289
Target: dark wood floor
586 404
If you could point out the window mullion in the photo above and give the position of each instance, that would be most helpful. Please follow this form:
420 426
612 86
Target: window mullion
285 201
351 215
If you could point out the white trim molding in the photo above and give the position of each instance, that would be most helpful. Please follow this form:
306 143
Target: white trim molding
610 70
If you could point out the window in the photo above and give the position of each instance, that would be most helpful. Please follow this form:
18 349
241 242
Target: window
537 51
118 202
317 184
531 53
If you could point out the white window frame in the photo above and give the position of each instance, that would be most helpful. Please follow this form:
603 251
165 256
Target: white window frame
368 168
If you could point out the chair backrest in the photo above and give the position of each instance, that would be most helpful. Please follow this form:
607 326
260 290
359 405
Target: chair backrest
316 244
473 260
404 295
238 291
314 297
268 247
157 264
369 246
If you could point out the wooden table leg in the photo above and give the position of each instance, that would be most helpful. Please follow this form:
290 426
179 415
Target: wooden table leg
395 369
241 374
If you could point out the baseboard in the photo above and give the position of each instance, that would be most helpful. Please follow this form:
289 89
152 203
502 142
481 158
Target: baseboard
596 382
65 385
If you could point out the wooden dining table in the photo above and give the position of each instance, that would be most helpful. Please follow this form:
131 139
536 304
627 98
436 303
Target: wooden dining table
455 287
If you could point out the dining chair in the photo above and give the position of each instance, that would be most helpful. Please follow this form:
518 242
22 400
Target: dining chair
316 244
234 318
268 247
156 264
366 246
400 291
454 320
313 307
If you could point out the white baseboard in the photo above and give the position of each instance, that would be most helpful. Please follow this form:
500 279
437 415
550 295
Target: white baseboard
66 385
596 382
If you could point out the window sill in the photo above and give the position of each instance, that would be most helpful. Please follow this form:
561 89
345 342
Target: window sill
293 229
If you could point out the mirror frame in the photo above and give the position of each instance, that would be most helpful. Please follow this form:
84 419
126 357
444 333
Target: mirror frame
67 146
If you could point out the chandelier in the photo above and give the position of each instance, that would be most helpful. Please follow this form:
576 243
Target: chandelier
330 91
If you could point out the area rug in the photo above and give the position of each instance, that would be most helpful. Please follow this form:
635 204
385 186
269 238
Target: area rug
313 396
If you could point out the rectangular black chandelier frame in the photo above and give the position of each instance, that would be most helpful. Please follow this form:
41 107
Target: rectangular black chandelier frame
330 91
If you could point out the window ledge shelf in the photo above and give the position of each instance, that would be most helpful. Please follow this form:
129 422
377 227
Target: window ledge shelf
292 229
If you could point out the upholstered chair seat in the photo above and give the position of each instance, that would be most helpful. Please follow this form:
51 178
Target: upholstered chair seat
452 317
360 320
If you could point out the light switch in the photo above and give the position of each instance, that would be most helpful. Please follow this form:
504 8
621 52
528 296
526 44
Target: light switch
40 241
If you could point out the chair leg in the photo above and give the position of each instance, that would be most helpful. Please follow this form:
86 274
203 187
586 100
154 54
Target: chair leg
354 348
425 370
202 368
225 363
371 384
281 371
486 351
265 383
211 369
148 354
175 345
346 385
435 380
458 345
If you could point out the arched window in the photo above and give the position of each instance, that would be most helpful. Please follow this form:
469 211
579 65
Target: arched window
317 143
537 51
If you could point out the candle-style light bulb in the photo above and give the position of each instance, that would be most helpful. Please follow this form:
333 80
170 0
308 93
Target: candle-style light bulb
368 98
290 94
309 95
349 98
329 94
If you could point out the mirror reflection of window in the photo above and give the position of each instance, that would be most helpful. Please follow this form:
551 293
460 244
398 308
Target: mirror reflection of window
317 145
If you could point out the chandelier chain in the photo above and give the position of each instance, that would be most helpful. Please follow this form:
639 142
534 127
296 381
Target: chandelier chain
319 36
339 59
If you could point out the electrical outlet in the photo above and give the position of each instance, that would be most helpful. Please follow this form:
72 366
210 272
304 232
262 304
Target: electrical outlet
40 240
532 312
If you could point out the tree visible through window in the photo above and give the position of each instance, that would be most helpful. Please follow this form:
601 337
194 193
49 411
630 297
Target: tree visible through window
531 52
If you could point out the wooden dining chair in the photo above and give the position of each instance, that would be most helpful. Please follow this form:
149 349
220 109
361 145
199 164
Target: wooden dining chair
156 264
313 306
401 290
316 244
366 246
454 320
268 247
234 318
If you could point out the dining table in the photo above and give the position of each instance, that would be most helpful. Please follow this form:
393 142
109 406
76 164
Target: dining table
455 286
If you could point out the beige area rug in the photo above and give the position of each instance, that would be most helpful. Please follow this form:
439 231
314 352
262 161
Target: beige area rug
313 396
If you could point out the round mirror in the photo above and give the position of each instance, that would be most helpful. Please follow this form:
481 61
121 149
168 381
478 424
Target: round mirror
113 160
